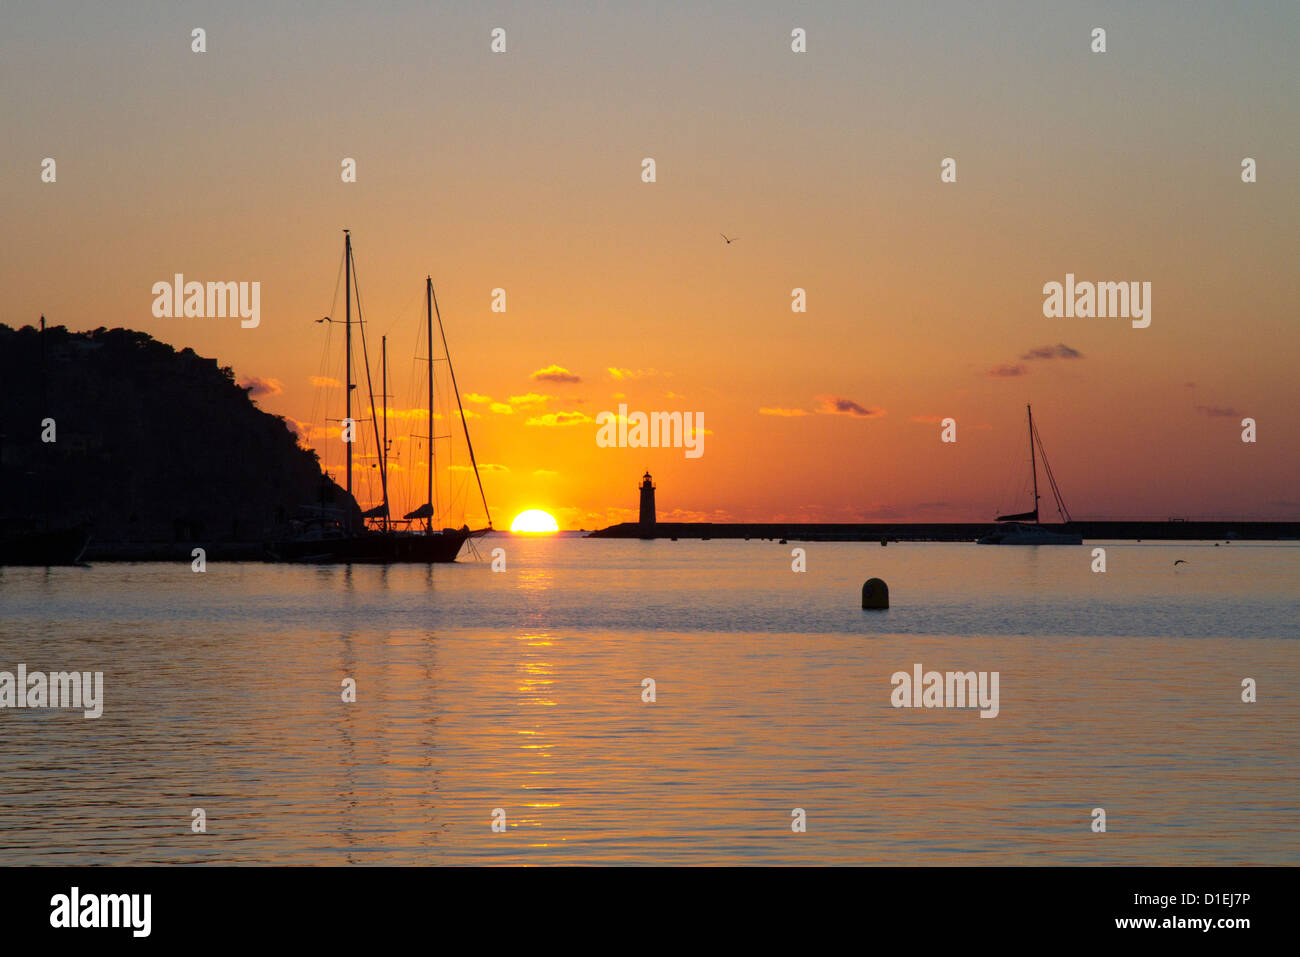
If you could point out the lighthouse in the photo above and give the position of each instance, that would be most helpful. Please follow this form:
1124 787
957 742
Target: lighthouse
647 503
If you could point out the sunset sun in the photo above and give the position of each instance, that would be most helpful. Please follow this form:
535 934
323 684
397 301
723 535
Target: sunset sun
534 520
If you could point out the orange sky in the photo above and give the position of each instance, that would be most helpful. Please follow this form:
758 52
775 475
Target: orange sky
522 171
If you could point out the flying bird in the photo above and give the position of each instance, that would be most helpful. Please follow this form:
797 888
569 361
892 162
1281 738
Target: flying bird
728 241
1181 561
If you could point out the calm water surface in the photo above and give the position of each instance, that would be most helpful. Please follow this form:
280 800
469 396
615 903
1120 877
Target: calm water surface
521 690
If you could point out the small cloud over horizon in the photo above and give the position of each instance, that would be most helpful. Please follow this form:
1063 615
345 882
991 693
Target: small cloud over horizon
830 405
528 399
258 387
1008 372
838 405
559 418
555 373
622 374
1058 351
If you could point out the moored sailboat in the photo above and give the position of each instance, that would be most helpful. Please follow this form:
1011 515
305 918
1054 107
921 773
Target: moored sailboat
1023 528
327 535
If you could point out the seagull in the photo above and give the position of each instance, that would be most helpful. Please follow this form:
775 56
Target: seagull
728 241
1181 561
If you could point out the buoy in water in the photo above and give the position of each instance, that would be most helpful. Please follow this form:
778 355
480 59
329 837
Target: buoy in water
875 594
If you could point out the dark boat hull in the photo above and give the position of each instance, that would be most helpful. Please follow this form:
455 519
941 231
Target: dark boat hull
44 548
376 548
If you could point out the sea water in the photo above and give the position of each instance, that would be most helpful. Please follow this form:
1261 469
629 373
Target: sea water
520 697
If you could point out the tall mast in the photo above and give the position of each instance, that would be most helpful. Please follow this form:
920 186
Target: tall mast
347 415
383 455
370 389
428 308
1033 464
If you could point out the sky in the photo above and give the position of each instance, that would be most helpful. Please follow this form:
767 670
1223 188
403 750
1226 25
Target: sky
522 171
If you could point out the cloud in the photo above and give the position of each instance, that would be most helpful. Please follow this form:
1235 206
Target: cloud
830 405
311 431
926 418
1218 411
559 418
1008 372
1058 351
258 387
529 399
505 408
838 405
544 473
324 382
405 415
621 374
554 373
482 467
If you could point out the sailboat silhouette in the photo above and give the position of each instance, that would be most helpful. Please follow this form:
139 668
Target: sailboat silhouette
1023 527
324 536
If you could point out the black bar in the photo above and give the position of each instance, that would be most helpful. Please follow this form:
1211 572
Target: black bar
662 908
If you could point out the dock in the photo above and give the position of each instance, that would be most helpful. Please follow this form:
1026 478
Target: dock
953 531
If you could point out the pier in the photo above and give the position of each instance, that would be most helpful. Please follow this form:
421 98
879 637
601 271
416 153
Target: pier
953 531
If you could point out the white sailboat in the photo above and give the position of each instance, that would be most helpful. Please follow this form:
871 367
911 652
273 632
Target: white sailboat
1023 528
